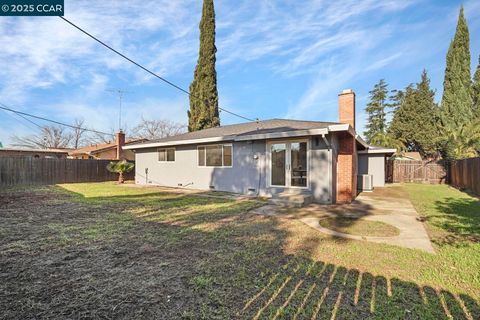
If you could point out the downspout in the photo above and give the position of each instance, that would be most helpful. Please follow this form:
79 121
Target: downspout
330 173
326 141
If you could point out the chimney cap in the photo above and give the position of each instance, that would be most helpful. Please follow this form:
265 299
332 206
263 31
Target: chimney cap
347 91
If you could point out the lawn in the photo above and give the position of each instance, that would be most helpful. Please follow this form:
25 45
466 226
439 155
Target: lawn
107 251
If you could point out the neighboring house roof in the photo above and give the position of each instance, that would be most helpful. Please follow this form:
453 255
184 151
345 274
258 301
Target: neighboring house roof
37 150
102 147
267 129
94 148
414 155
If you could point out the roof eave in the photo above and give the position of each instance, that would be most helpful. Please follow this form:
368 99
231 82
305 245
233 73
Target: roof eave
284 134
260 136
176 143
377 151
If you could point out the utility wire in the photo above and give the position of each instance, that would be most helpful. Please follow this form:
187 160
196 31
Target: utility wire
18 120
22 114
147 70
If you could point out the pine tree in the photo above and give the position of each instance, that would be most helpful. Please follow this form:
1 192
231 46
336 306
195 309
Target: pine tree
426 118
396 99
415 120
457 98
203 111
376 110
476 92
400 126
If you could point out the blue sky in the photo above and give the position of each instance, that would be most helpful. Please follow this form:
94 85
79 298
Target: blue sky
284 59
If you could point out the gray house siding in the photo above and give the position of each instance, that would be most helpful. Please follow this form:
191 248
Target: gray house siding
373 164
245 173
321 170
248 174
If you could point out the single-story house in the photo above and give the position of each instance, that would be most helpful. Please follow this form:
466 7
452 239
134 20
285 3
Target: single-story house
265 158
106 151
35 153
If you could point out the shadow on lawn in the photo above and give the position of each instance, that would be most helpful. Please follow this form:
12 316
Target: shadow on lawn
316 290
303 288
240 267
460 217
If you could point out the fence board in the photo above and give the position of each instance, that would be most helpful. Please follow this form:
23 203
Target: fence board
416 171
27 170
465 174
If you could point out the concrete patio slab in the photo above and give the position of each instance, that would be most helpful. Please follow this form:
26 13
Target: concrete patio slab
393 210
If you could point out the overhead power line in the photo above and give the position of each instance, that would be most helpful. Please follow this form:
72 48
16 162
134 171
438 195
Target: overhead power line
21 122
148 70
23 114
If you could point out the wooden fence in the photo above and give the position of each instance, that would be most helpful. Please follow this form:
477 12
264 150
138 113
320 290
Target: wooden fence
465 174
416 171
28 170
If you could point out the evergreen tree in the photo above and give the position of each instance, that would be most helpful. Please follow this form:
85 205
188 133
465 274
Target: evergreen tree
476 92
400 126
415 120
376 110
396 99
203 111
425 127
457 98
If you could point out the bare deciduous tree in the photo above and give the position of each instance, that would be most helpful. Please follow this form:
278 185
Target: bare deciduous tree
156 129
49 137
98 138
78 134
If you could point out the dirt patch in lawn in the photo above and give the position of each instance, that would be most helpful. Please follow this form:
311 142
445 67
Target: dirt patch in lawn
359 227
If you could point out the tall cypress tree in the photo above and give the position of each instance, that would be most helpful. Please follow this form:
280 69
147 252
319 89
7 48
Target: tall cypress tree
476 92
203 111
376 122
457 98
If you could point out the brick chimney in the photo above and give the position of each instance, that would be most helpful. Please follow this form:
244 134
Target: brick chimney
347 153
120 142
346 107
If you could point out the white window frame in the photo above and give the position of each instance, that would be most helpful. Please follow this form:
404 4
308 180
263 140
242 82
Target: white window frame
205 155
166 156
288 143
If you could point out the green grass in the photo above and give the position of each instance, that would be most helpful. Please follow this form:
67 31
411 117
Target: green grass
359 227
101 250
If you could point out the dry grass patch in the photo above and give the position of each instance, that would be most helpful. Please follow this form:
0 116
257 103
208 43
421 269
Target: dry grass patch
359 227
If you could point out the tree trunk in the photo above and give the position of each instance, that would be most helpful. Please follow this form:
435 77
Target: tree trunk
121 179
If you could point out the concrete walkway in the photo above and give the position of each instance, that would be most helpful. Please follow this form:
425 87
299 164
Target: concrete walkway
398 212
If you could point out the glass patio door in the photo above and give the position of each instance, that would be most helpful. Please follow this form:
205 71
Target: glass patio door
278 156
298 164
288 164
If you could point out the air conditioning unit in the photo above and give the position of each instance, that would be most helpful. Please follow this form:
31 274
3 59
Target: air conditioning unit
365 182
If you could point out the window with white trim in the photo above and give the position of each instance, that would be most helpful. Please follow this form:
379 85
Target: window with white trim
219 155
166 155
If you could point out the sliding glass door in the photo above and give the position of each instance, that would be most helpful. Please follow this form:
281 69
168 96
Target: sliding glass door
288 164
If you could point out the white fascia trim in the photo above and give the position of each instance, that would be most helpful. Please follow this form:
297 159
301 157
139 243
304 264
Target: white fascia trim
286 134
339 127
177 143
381 150
349 128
